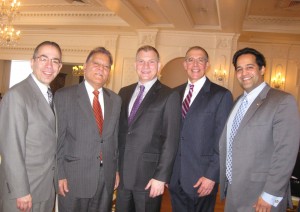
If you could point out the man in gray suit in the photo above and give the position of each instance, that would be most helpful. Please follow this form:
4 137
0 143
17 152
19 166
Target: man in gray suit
259 144
28 137
88 121
148 136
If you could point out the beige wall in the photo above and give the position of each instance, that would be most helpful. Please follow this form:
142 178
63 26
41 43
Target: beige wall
171 45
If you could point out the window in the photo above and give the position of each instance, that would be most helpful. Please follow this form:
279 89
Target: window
20 70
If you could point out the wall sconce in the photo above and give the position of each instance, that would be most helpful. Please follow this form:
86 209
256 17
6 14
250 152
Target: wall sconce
278 80
220 74
77 71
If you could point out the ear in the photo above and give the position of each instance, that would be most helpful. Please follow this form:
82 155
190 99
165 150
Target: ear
185 65
159 66
31 63
262 70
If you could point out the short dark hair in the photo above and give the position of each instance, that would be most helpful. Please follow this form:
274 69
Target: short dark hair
101 50
147 48
260 58
47 43
197 48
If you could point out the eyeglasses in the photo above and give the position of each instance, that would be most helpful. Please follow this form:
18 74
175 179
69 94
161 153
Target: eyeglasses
199 60
44 60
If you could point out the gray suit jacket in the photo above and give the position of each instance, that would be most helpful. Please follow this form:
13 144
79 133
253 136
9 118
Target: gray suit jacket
264 149
79 141
27 143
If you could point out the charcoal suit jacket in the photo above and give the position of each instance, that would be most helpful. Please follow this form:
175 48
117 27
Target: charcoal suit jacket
148 146
198 152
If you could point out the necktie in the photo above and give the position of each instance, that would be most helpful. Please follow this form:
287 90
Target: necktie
50 98
235 125
186 102
136 104
98 111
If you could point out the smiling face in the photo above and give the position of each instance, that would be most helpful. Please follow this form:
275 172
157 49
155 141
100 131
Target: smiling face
96 70
195 63
147 65
248 73
46 64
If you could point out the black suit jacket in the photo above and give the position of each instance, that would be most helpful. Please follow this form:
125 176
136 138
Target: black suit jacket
198 153
147 147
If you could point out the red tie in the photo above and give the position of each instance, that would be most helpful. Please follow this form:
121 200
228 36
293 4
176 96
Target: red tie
98 111
187 100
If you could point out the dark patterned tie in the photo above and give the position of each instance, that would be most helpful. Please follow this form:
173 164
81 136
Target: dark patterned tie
136 104
186 102
50 98
235 125
98 111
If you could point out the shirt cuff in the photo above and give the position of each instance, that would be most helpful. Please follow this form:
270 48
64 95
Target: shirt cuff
272 200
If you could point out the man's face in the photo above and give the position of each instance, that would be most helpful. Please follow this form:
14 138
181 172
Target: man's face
46 64
195 64
248 73
96 70
147 66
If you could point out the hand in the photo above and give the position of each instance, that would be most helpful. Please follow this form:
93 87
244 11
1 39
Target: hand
117 181
205 186
24 204
63 187
157 187
262 206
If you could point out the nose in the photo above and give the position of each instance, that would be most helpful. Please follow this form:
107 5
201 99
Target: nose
49 63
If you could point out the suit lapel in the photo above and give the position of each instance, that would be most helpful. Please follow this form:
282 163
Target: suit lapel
107 109
147 100
42 103
253 108
199 97
128 97
84 104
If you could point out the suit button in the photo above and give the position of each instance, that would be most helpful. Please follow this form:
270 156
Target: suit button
53 168
101 141
129 133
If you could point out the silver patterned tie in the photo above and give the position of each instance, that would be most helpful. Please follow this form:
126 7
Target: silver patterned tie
50 98
235 125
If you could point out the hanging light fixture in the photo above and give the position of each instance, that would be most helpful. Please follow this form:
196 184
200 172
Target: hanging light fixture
9 10
77 71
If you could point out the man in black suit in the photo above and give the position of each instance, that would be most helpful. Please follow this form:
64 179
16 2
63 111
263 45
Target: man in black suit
194 182
148 140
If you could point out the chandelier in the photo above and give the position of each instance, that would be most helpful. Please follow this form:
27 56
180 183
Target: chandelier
9 10
77 71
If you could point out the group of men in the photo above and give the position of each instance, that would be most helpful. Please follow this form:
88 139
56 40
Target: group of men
88 141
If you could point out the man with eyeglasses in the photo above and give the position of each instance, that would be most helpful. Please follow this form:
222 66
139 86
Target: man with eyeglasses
88 122
28 136
258 154
148 137
205 107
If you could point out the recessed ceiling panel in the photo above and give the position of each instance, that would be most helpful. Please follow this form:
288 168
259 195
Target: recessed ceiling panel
203 12
150 11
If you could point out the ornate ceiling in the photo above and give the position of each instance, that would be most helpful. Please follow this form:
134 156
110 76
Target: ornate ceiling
253 19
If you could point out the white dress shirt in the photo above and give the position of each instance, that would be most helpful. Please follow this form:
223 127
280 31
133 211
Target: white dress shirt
42 87
147 85
197 87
